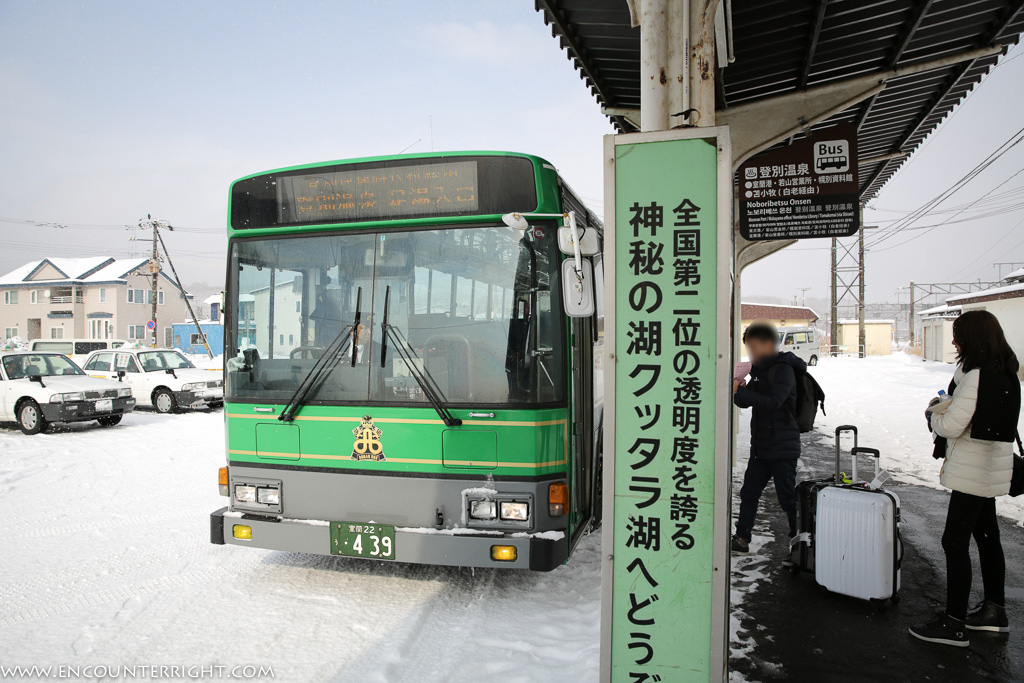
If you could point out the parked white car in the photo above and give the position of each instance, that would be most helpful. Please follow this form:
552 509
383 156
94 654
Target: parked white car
40 388
162 378
802 341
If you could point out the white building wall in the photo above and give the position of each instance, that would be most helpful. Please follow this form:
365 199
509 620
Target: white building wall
1010 313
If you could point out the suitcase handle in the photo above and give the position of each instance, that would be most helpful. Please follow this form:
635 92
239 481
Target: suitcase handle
863 450
839 433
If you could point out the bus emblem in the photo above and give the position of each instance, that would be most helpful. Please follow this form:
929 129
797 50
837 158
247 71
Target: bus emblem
367 445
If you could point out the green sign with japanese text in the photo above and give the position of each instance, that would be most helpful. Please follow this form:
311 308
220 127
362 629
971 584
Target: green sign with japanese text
666 352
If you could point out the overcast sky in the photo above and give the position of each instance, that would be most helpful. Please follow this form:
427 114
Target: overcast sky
112 111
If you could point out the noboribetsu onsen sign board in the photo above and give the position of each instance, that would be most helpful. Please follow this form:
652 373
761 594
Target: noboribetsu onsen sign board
668 199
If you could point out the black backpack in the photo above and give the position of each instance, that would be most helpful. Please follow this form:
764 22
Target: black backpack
809 396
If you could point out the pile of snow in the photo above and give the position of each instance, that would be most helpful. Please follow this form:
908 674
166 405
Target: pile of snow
885 398
107 560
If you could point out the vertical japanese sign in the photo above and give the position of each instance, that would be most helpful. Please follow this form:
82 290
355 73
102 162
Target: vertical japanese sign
666 511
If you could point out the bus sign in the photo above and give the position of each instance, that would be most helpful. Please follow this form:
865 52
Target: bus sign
807 189
667 456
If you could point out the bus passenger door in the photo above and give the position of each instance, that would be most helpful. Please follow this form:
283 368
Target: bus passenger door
584 468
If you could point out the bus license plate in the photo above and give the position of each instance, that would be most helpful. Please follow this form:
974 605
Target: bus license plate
358 539
104 405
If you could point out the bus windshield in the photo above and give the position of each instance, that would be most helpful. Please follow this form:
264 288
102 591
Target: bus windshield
479 308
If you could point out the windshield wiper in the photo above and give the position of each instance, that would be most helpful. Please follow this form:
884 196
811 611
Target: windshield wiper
330 357
422 376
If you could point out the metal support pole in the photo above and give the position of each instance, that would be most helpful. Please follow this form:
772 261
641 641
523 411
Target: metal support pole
701 68
834 308
861 332
912 313
653 22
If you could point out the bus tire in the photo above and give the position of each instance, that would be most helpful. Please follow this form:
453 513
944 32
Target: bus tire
30 417
163 401
813 360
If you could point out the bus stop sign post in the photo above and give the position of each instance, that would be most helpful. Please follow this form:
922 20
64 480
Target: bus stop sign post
668 438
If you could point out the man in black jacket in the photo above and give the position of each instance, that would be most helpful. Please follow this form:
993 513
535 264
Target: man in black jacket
774 432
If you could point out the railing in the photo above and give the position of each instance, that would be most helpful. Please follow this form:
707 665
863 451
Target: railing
67 299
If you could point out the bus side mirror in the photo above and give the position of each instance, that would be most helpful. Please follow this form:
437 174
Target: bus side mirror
578 289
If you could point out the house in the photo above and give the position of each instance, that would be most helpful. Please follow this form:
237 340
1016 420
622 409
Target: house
88 298
937 333
878 336
1005 302
778 315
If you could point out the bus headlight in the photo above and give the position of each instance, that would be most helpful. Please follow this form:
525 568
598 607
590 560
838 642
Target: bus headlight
268 495
515 512
482 509
245 494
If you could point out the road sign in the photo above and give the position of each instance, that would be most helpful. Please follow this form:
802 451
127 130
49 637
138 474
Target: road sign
806 189
151 325
668 438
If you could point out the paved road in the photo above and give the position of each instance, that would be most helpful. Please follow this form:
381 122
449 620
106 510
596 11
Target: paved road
802 633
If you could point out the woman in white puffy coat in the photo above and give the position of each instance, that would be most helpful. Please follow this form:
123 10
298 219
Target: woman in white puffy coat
978 426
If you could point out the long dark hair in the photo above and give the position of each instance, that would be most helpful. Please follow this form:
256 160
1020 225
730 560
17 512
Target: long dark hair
983 344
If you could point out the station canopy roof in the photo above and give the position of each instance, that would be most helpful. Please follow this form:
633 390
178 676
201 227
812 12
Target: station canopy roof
782 46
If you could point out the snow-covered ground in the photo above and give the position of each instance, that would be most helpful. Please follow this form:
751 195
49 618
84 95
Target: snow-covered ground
107 560
105 540
885 397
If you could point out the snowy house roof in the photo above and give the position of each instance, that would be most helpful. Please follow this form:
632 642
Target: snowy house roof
1015 276
77 271
940 311
214 299
754 311
1010 291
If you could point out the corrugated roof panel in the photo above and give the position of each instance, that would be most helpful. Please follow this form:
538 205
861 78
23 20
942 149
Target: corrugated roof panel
777 50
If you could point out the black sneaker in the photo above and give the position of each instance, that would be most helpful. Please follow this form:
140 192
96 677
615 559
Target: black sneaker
944 630
988 616
740 546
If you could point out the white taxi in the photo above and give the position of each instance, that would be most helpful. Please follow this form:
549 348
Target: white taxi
40 388
162 378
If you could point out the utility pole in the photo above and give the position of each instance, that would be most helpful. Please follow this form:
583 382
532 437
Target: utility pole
154 269
862 339
803 295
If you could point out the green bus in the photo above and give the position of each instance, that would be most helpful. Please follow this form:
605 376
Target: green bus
409 361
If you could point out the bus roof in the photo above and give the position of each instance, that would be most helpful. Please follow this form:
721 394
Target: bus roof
537 161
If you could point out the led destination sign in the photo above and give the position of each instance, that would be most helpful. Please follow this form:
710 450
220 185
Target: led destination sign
385 189
357 195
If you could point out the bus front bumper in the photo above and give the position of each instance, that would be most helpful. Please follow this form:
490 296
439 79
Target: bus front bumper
417 547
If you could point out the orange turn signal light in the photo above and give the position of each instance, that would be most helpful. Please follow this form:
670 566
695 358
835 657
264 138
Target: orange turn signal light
222 480
558 498
503 553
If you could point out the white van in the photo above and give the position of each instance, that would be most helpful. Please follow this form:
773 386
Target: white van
801 341
75 349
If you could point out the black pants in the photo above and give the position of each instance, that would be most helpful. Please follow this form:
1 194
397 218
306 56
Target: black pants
972 516
759 473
